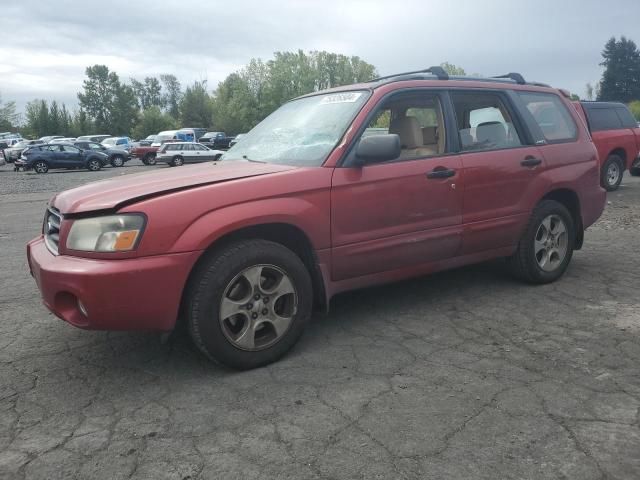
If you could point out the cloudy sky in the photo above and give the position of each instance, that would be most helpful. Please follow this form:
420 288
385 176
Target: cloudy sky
45 46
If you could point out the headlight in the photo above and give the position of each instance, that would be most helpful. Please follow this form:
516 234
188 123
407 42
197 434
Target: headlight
113 233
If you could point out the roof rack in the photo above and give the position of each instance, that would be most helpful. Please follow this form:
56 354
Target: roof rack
516 77
436 71
440 74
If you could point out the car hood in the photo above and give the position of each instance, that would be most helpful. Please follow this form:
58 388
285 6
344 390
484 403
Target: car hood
118 191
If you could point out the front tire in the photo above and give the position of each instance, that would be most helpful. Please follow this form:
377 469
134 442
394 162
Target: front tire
94 165
149 159
546 248
611 174
248 304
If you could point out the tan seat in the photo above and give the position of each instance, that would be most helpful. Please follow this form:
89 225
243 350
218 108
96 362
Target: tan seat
411 139
430 137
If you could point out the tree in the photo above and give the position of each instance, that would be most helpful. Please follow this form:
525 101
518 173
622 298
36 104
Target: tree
124 112
621 77
172 94
153 120
589 92
196 107
8 117
81 124
452 69
148 93
635 109
247 96
54 118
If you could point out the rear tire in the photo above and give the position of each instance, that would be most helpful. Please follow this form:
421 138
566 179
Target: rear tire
149 159
41 166
233 301
177 161
546 248
611 173
117 161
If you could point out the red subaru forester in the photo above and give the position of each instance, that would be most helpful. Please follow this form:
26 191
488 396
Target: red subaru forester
336 190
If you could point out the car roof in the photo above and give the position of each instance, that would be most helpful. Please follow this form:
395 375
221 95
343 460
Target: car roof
424 78
594 105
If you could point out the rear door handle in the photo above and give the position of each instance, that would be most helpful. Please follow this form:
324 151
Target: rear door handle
441 172
531 162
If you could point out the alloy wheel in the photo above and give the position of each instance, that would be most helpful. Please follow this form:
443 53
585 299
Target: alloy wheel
257 307
551 243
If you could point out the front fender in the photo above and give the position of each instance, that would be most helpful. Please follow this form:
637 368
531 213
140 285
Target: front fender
305 214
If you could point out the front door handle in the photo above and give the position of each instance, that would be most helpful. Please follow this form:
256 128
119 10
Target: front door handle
531 162
441 172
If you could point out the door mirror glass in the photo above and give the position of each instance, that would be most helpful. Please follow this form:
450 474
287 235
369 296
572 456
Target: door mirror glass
378 148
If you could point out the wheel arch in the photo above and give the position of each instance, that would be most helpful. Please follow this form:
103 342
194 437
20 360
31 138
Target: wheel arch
286 234
570 199
621 152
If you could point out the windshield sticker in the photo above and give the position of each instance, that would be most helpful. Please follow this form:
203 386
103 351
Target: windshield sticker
347 97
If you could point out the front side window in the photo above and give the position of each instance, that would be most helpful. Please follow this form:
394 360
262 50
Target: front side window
484 122
302 132
417 119
551 115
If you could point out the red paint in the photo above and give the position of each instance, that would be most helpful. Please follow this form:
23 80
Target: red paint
367 225
610 141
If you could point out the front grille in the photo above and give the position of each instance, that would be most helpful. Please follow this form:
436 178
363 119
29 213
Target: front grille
51 229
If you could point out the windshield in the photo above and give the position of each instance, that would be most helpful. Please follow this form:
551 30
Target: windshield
163 138
109 141
21 144
302 132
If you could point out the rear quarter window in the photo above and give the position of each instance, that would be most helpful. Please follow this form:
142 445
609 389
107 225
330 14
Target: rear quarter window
551 115
627 119
603 119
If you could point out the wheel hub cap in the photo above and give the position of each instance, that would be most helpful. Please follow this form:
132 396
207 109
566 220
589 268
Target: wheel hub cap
258 307
551 242
612 174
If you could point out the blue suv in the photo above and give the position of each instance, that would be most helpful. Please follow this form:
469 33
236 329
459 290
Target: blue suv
41 158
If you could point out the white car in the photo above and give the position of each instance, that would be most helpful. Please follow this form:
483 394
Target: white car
179 153
121 143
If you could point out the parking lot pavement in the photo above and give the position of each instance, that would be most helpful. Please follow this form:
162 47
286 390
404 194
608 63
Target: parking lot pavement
461 375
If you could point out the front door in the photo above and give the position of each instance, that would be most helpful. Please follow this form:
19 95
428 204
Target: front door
404 212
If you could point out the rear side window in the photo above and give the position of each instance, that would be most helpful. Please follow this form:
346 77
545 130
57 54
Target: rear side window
603 119
551 115
627 119
484 122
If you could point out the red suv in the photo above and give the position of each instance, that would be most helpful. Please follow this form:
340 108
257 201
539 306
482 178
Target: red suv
337 190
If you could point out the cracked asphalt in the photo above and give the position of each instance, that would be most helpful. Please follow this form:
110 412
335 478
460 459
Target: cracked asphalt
461 375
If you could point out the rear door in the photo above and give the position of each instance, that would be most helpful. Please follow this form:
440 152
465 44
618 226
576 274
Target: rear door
502 169
404 213
188 153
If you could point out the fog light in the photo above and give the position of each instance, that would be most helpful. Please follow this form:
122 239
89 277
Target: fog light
82 308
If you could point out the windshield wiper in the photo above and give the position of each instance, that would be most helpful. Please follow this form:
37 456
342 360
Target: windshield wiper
251 160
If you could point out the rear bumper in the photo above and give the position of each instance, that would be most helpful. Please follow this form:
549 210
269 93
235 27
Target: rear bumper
133 294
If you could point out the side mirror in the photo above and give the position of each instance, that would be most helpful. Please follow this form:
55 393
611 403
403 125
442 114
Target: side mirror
377 149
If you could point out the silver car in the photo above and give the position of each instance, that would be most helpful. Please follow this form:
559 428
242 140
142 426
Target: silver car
13 153
179 153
